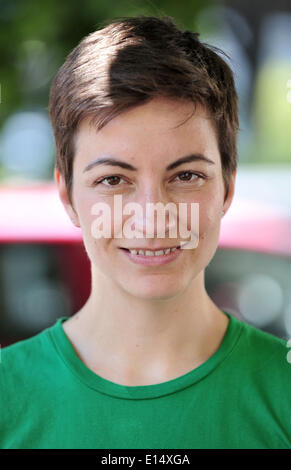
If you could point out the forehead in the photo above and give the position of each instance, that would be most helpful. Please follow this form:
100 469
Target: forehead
160 127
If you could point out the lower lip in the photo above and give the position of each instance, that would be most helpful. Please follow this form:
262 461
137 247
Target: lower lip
152 260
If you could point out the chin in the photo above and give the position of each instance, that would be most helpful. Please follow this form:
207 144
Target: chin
154 289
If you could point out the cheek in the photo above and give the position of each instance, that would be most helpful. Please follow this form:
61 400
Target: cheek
208 223
85 203
209 216
84 212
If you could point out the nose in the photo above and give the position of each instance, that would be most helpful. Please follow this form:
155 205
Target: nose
154 214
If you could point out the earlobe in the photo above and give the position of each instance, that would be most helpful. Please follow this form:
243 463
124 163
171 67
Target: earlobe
230 194
63 194
56 175
61 188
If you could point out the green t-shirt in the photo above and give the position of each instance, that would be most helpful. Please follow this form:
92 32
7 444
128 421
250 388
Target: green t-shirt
239 398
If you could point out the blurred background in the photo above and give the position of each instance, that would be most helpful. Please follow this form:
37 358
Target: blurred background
44 272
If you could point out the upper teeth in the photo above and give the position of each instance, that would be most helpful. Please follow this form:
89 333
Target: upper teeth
152 253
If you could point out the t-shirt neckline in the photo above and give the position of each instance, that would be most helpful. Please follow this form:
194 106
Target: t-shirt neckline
65 349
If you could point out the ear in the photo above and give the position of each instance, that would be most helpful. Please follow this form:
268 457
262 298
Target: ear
60 182
230 194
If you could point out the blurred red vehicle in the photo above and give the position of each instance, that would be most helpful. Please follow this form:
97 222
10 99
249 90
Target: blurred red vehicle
42 255
42 251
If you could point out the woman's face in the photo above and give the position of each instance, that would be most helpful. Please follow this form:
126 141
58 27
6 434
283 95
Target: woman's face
146 142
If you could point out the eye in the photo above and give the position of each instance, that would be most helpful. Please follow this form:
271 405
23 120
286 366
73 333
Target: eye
113 180
187 176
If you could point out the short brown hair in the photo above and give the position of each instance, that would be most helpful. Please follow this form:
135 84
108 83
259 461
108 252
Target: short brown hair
130 61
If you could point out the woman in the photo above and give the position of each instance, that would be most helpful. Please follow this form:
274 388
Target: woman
146 113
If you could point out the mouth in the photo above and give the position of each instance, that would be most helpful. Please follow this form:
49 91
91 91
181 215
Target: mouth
147 252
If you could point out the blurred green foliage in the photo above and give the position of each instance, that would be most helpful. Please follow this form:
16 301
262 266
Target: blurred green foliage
272 113
36 37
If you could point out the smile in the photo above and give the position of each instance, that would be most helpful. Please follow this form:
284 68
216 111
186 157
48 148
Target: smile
159 252
156 257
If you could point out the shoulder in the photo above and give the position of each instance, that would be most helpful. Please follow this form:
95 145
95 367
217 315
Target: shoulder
262 356
26 371
19 354
261 344
25 363
18 358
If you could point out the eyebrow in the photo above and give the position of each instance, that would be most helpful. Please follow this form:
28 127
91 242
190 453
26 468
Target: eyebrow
193 157
107 160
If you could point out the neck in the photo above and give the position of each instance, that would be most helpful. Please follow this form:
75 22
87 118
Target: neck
132 340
